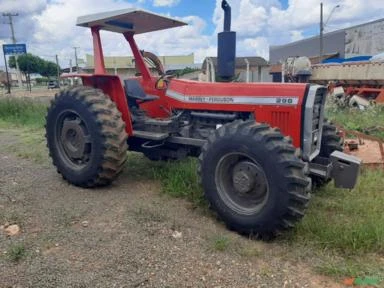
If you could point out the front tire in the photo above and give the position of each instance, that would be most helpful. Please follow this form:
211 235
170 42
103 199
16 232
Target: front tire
86 137
253 179
330 142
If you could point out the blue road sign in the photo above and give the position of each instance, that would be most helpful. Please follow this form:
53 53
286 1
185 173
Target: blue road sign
14 49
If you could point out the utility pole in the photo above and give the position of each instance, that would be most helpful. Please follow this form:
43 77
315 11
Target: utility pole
322 26
77 64
70 71
58 67
6 71
321 33
10 15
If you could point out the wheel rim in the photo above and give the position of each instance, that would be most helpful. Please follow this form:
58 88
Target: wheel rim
73 139
241 183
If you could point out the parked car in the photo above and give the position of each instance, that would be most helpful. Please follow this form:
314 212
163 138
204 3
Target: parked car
52 84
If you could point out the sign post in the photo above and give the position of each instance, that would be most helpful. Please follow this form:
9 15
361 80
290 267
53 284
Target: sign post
12 49
6 72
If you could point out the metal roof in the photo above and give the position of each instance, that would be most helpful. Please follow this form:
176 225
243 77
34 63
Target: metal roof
128 20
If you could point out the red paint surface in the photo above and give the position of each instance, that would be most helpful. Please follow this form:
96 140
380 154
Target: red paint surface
98 51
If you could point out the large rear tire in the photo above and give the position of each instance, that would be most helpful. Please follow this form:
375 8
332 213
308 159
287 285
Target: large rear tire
86 137
253 179
330 142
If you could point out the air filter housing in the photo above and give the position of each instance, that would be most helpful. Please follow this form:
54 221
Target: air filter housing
226 47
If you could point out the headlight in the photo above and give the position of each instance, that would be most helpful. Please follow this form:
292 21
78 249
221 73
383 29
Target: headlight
315 137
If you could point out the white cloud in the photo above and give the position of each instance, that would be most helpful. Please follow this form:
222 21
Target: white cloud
26 6
183 40
48 26
254 47
23 20
165 3
296 35
57 33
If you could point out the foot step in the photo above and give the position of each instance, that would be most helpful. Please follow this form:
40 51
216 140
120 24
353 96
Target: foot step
150 135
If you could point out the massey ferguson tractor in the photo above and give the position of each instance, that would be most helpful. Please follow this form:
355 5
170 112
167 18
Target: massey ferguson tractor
259 145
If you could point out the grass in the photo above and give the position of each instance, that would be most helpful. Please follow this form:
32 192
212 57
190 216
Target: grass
220 243
21 112
30 144
11 216
345 229
179 179
351 222
369 121
16 252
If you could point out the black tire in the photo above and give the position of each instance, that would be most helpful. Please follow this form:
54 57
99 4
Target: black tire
278 191
86 137
330 142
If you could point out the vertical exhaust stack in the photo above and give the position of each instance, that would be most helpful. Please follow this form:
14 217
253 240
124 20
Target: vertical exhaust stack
226 48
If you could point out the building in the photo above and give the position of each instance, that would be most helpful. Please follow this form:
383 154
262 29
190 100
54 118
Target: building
124 66
12 74
258 68
361 40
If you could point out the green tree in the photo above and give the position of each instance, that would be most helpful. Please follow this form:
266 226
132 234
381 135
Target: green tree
49 69
29 63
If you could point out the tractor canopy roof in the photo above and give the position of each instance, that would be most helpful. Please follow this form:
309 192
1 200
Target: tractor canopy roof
128 20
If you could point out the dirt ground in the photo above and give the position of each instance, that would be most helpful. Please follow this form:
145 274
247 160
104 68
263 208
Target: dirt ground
126 235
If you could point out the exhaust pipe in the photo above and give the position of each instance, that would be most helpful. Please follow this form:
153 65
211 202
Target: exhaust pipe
226 47
227 15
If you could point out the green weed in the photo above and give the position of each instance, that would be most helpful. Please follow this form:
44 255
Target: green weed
31 145
18 112
351 222
11 215
220 243
180 179
369 121
16 252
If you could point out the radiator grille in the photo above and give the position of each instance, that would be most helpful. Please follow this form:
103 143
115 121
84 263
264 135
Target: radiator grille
317 111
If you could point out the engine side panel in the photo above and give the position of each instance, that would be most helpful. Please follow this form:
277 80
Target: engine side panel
280 105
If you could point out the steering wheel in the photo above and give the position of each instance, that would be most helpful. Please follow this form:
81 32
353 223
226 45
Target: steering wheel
163 81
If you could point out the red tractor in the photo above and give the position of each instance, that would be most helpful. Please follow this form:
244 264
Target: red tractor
260 146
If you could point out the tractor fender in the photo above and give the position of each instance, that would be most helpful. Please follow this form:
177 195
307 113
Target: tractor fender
111 85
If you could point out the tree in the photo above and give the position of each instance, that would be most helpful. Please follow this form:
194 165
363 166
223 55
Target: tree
29 63
49 69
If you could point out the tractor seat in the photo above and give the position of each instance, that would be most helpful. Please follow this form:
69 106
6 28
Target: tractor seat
134 91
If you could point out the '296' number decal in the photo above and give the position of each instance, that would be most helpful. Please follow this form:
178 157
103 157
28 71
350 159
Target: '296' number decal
284 100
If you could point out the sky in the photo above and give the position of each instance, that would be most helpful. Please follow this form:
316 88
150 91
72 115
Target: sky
48 26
